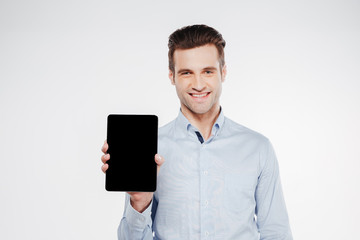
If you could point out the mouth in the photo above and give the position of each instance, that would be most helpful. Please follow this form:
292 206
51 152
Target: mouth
199 95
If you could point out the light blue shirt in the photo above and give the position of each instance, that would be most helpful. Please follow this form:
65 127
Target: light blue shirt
225 188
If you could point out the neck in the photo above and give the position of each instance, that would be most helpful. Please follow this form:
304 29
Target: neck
204 122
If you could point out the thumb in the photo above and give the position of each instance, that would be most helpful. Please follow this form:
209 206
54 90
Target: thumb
159 161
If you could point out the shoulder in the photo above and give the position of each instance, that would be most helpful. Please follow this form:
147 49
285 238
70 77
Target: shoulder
243 136
233 128
166 129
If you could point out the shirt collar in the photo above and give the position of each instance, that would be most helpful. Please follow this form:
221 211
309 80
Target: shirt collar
183 124
220 120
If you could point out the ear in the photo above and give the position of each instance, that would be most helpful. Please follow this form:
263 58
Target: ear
223 73
171 77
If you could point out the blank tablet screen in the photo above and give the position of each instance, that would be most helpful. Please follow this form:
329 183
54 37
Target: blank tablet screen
132 141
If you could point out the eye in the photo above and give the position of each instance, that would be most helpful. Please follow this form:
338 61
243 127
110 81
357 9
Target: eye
185 73
209 72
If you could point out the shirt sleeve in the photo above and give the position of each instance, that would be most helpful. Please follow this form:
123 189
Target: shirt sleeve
135 225
271 213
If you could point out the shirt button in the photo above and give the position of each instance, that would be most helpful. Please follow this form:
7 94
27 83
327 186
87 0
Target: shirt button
205 173
206 202
207 233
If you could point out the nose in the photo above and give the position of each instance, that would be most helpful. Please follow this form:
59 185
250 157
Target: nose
198 83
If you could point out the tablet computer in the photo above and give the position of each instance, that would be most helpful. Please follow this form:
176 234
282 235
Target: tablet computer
132 141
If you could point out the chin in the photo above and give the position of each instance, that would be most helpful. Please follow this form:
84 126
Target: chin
200 110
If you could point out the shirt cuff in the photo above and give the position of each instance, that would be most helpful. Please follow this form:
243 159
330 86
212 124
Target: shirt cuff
138 220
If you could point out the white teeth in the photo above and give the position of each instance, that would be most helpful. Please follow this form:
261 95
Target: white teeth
199 95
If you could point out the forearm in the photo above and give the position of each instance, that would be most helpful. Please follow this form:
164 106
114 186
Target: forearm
135 225
272 217
128 232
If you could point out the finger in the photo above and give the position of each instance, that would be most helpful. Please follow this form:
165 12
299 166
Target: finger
105 147
104 167
159 161
105 158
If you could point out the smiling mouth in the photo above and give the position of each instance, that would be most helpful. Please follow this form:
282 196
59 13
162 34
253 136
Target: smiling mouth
199 95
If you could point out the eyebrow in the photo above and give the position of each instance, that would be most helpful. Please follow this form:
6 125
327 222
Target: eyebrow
189 70
210 68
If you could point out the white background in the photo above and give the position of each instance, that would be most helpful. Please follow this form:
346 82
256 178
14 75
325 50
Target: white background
293 75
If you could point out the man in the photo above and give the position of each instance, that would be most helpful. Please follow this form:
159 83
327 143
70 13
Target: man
218 179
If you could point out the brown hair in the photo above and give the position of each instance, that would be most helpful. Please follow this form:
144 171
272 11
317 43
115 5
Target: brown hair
195 36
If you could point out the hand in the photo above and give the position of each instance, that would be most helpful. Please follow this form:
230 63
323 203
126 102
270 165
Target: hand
139 200
105 157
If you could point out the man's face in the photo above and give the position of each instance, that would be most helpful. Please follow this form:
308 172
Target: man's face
197 77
